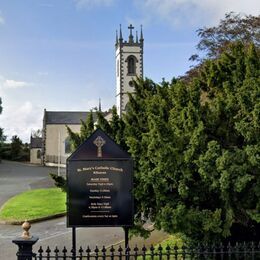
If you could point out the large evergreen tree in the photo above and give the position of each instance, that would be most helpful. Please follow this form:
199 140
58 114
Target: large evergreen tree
86 129
114 128
197 147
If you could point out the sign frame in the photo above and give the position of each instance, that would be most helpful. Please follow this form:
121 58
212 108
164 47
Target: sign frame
111 154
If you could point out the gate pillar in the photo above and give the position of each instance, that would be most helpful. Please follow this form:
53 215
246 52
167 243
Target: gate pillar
25 243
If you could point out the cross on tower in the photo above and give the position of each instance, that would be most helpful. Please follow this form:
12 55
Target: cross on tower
131 27
99 142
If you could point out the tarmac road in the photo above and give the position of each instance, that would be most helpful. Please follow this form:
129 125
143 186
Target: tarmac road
17 177
55 233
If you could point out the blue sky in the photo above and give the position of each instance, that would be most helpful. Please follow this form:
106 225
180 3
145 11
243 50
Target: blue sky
60 55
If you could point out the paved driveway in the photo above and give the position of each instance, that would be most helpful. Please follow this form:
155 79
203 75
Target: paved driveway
16 177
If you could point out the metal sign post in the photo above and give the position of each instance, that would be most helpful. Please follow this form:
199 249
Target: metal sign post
126 229
74 241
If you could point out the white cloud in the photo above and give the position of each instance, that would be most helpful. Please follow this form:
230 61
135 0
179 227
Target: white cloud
10 83
91 3
20 118
193 12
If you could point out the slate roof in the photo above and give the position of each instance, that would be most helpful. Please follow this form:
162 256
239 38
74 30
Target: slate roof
65 117
36 142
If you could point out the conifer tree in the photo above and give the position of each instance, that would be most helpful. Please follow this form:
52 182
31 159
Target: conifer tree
86 129
197 147
102 123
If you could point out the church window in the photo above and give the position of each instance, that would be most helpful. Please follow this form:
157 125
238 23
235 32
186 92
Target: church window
38 154
68 145
131 65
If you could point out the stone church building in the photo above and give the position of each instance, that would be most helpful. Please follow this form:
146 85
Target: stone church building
55 143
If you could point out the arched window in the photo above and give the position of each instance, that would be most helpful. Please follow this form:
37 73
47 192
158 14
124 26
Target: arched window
38 154
68 145
131 65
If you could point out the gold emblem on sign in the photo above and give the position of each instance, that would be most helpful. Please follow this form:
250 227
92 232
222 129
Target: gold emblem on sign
99 142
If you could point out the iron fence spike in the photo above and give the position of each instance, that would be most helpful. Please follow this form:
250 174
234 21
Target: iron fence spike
120 249
96 250
56 250
88 250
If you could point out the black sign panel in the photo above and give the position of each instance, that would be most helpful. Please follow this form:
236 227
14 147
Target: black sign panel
99 187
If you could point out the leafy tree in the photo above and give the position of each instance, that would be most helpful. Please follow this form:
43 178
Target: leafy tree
214 40
5 151
2 136
16 148
102 123
197 147
234 27
86 130
113 127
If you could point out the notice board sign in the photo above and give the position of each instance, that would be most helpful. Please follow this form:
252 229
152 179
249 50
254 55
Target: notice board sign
100 182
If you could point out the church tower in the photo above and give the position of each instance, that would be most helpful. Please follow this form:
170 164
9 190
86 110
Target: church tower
129 64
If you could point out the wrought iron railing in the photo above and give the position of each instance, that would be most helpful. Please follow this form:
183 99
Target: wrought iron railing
215 251
229 251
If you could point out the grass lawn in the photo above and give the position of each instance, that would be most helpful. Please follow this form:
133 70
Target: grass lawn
34 204
173 240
